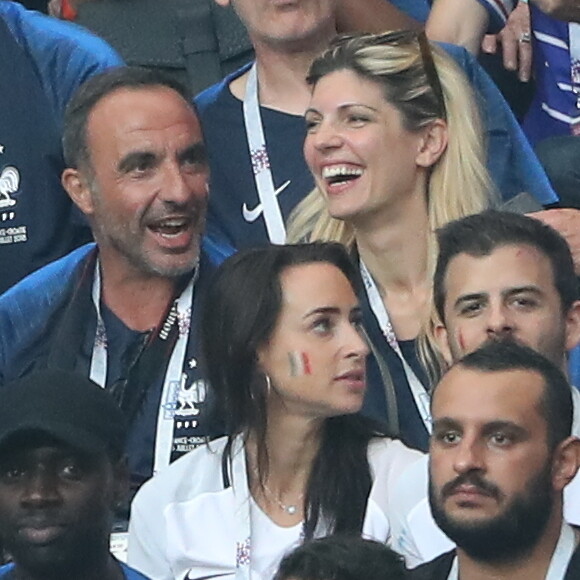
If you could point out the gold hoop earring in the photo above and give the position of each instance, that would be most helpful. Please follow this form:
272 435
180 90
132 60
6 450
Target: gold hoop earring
268 384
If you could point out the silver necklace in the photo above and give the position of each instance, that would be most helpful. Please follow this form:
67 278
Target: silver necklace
290 509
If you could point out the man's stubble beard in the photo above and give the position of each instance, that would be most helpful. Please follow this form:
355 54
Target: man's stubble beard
508 536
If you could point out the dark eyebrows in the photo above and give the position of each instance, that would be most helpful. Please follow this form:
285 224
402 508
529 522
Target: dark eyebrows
499 425
469 297
195 153
505 293
322 310
136 159
521 289
446 423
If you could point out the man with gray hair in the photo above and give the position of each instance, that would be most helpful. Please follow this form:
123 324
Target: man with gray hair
125 312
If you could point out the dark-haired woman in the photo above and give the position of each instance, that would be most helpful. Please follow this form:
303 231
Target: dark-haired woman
286 359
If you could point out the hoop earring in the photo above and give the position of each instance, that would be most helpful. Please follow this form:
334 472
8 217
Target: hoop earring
268 384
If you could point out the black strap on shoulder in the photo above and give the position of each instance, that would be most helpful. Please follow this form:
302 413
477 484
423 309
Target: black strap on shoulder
147 361
226 458
211 36
195 29
573 570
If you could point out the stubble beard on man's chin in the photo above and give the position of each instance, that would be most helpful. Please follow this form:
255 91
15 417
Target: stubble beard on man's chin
508 536
171 272
146 262
126 238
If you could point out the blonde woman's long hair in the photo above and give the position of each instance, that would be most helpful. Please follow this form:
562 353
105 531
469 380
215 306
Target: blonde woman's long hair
423 83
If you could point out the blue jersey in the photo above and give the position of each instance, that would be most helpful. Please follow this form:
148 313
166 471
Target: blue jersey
49 320
129 573
555 109
43 62
234 206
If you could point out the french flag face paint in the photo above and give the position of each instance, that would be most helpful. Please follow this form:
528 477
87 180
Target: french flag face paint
460 341
299 364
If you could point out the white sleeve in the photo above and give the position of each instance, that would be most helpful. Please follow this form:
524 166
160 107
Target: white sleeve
388 459
414 532
147 539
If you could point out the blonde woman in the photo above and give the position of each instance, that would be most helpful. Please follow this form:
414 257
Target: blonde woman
394 144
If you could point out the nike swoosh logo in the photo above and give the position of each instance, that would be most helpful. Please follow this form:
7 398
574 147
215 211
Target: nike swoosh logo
190 577
251 215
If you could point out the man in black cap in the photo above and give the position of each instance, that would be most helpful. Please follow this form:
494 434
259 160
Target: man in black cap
62 473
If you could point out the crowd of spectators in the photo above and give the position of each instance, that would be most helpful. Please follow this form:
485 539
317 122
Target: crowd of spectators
266 288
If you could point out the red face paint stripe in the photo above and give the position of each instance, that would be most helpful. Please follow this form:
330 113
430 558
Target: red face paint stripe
306 364
461 342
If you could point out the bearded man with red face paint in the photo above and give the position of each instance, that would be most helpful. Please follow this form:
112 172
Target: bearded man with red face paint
124 312
505 276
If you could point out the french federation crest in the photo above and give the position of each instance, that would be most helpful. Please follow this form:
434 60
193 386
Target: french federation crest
9 183
184 398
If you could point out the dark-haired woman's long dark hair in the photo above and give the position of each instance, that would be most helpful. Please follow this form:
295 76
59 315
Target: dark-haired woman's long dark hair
241 313
340 480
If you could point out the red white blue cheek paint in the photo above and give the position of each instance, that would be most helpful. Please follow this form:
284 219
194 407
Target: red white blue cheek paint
461 342
299 364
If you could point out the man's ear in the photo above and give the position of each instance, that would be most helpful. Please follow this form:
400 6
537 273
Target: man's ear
573 326
565 463
433 143
77 187
222 2
441 338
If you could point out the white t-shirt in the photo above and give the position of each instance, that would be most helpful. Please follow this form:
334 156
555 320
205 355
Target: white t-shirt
271 542
184 522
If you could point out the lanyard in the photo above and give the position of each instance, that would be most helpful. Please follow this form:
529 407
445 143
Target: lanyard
243 527
574 39
559 562
261 162
420 394
180 314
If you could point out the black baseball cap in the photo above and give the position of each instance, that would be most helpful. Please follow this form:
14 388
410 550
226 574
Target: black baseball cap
67 406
